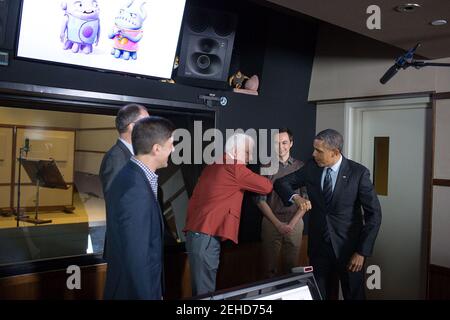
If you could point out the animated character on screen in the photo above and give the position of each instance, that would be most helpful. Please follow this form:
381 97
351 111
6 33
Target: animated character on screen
127 31
81 25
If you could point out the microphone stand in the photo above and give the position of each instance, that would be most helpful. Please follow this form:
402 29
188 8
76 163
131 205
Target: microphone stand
406 64
19 215
407 61
419 64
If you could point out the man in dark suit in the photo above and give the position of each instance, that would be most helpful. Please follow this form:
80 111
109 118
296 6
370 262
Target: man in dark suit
135 224
121 152
339 238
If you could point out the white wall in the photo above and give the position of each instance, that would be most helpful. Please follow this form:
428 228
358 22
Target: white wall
331 115
440 238
348 65
440 232
442 140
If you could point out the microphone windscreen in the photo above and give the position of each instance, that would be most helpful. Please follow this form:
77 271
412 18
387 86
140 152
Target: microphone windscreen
389 74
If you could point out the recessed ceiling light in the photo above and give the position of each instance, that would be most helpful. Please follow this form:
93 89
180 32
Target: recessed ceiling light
439 22
407 7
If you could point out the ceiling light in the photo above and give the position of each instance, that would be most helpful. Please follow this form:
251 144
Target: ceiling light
439 22
407 7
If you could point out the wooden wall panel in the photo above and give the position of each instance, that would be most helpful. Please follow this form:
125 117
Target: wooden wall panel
52 285
240 265
46 144
96 140
6 140
5 193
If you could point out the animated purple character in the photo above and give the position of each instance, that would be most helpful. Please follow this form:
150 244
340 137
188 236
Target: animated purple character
127 31
81 25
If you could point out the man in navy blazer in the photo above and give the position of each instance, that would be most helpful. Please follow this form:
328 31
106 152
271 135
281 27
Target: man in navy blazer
134 220
339 238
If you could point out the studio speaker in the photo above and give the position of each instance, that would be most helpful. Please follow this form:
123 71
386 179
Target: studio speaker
206 47
3 16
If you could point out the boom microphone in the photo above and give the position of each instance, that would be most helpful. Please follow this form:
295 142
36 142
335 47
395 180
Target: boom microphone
389 74
403 62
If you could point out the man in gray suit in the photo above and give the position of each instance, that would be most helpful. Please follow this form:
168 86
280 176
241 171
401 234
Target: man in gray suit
120 153
116 158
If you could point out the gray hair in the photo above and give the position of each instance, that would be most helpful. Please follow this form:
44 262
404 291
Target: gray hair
331 138
236 141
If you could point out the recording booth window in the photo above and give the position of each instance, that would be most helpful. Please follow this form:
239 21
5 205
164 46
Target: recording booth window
63 214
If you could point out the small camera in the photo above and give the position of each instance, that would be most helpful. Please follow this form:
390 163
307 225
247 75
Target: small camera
212 100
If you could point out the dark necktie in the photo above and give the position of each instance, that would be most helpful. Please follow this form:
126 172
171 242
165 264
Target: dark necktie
328 188
328 195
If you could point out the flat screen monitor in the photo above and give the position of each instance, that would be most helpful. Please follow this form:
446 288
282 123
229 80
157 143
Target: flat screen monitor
129 36
290 287
300 293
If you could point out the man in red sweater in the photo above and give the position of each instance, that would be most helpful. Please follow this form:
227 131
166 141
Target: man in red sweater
214 210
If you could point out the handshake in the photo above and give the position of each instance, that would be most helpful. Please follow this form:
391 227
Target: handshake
302 203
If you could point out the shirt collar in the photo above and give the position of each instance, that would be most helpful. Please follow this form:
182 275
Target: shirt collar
151 174
289 161
128 145
337 165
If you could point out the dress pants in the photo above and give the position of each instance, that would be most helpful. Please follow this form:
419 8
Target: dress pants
328 270
204 253
274 243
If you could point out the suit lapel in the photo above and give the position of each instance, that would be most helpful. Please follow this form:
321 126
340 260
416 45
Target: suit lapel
124 148
152 195
318 180
341 181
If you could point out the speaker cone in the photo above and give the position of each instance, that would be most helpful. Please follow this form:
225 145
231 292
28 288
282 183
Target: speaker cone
205 64
224 25
203 61
207 45
198 21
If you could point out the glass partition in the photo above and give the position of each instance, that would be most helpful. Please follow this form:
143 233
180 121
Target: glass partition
71 221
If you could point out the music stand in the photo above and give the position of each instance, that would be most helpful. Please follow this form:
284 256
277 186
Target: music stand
42 173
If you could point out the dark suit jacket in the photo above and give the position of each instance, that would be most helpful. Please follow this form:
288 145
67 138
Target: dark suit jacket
113 161
353 191
135 238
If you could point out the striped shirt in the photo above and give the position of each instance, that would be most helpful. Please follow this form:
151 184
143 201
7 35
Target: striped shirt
151 176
